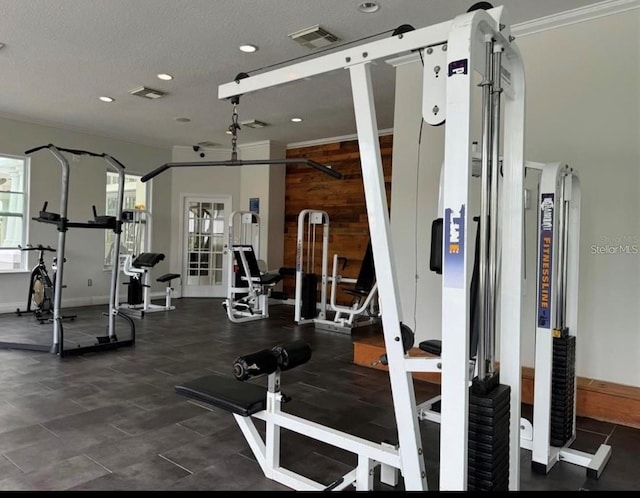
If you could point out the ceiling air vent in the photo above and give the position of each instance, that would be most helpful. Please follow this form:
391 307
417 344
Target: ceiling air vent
253 123
314 37
147 93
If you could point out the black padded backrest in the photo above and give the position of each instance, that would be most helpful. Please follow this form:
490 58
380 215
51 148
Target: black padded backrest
250 256
367 276
434 346
435 260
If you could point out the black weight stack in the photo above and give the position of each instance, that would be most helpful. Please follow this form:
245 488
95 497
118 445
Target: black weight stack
489 415
309 296
563 380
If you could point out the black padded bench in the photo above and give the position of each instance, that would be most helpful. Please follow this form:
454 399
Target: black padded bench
167 277
242 398
147 260
433 346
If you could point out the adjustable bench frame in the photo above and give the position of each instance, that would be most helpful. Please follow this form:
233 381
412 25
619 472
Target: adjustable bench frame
248 402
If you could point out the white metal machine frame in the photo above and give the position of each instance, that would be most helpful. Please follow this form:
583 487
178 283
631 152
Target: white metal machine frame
344 318
244 235
461 45
311 219
141 226
556 309
558 234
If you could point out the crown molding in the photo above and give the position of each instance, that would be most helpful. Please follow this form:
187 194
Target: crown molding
559 20
332 140
581 14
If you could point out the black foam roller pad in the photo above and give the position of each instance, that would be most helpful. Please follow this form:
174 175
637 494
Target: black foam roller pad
261 363
293 354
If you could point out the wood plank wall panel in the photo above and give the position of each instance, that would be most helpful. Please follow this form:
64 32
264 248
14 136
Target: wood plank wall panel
343 200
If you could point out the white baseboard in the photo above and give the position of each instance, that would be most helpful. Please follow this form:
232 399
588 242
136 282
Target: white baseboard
74 302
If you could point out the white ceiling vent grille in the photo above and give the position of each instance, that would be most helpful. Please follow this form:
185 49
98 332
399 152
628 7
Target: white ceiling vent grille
314 37
147 93
253 123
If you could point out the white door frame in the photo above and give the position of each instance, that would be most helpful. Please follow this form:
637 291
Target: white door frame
215 291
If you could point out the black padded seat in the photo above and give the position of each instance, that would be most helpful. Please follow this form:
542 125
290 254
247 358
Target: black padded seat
167 277
270 278
242 398
433 346
287 272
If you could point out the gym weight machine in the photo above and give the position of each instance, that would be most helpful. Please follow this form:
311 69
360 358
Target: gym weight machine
137 265
249 286
471 40
552 430
308 308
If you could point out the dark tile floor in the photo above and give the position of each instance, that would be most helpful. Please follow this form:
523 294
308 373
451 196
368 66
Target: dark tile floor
112 421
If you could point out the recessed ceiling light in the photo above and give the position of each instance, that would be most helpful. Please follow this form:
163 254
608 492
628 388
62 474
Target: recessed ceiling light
248 48
296 120
106 99
183 120
368 7
165 77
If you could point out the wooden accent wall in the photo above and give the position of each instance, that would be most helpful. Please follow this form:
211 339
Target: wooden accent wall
342 199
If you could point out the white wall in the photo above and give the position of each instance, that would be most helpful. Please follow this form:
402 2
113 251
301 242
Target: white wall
84 247
265 182
583 108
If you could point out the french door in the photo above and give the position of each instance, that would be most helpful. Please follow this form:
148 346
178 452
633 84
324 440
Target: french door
205 258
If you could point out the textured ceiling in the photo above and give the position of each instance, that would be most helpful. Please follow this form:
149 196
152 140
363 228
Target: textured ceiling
61 55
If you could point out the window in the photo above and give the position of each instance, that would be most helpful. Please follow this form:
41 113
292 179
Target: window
13 212
135 197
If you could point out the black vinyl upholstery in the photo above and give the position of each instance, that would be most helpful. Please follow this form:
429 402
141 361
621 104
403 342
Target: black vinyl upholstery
366 276
147 260
254 269
242 398
434 346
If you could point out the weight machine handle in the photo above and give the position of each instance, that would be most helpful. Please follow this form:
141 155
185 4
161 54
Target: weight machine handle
39 247
78 152
237 162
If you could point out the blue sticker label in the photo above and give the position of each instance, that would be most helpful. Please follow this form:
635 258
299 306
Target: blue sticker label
458 67
545 267
453 271
254 205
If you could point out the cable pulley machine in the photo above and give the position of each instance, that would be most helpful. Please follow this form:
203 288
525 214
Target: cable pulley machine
469 39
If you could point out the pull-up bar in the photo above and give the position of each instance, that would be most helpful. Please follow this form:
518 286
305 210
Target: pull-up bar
308 162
